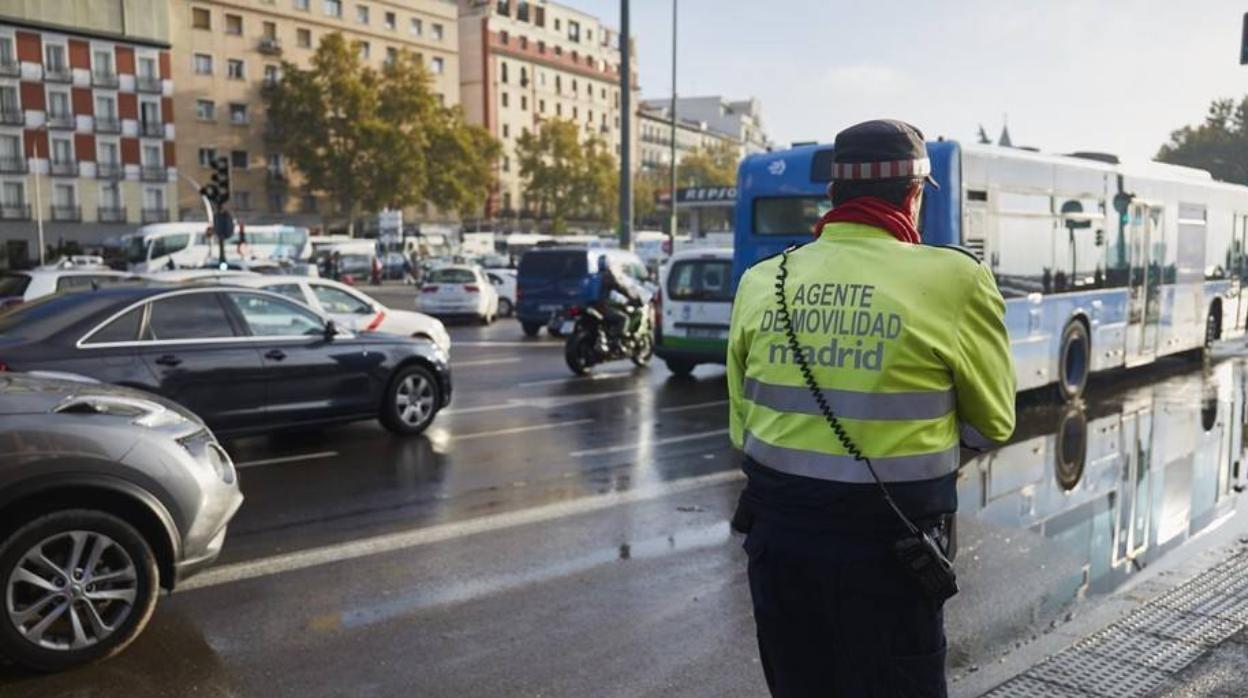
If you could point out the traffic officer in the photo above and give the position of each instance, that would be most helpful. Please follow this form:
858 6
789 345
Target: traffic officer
907 346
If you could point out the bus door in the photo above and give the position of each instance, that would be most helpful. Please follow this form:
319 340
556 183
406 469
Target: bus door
1143 284
1135 486
1239 271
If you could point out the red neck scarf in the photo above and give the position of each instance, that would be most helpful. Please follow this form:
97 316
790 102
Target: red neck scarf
878 213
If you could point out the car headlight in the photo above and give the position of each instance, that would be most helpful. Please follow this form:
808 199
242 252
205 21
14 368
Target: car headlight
221 463
140 412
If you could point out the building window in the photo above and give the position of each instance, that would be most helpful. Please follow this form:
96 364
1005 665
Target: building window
502 72
269 30
506 201
506 164
205 110
106 107
239 159
539 16
541 46
503 38
154 199
558 85
541 106
13 194
201 18
361 14
524 102
207 156
110 196
333 8
556 24
438 65
274 164
365 50
62 151
242 200
392 55
152 156
303 38
506 131
7 56
277 202
234 69
271 75
416 27
503 96
238 113
203 64
103 63
522 10
504 8
54 58
301 5
435 32
558 109
392 22
574 30
58 105
234 25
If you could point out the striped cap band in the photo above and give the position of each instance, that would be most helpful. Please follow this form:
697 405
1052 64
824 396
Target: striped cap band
921 167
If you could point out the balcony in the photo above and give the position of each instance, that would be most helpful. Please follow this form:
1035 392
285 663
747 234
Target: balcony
15 212
153 173
66 212
60 120
12 164
9 67
148 83
57 73
270 45
155 215
152 129
109 170
105 78
111 214
107 124
63 168
12 116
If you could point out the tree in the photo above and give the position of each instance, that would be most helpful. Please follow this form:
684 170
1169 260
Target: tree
373 139
714 166
565 177
1219 145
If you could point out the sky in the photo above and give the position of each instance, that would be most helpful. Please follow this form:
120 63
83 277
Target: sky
1113 76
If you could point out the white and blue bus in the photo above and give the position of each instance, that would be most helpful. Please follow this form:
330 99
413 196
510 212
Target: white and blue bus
1102 265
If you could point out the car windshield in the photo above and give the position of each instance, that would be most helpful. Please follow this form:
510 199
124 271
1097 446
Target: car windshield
452 276
555 264
13 284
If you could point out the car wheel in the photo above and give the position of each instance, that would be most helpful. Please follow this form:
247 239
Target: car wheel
411 402
79 586
680 367
504 307
531 329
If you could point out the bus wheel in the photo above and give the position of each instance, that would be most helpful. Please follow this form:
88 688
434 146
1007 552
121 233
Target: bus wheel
1072 448
1074 362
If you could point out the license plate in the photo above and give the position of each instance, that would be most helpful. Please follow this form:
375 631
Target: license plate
549 308
567 327
705 333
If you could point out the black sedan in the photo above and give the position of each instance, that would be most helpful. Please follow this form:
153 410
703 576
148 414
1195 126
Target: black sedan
244 360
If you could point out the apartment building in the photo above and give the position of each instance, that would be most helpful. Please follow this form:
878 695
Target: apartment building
86 122
741 120
654 125
227 51
528 60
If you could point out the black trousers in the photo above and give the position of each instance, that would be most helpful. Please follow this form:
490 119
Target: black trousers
836 617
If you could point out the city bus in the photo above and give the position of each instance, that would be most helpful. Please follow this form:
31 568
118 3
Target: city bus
1102 264
189 245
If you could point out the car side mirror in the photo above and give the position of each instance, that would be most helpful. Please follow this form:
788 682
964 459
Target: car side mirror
331 330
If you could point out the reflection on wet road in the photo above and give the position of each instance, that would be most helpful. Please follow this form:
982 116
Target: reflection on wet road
562 536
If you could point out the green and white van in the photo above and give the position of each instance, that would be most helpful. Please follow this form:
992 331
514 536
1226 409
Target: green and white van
694 307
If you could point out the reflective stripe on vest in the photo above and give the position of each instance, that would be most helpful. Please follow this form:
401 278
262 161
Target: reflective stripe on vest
851 404
843 468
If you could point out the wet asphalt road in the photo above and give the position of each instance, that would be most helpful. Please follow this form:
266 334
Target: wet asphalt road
568 537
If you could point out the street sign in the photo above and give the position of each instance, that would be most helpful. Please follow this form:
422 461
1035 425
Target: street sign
390 227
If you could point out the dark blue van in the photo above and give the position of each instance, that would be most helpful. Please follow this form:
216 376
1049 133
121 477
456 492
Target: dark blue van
553 279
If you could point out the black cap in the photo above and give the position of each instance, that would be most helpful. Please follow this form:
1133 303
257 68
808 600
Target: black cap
881 149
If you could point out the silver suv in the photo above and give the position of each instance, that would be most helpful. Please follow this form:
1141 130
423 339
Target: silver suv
106 496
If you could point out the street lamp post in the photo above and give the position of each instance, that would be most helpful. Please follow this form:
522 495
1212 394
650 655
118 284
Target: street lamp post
38 197
671 234
626 136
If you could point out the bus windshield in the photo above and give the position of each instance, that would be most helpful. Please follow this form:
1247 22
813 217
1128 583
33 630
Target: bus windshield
136 249
789 215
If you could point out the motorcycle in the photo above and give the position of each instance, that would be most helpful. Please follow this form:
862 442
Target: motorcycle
589 343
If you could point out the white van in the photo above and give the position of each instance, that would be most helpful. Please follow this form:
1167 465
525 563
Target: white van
695 307
188 245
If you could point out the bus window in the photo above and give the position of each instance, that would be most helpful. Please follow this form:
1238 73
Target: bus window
170 244
790 215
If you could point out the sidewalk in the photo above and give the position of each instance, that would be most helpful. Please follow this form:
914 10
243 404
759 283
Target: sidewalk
1190 640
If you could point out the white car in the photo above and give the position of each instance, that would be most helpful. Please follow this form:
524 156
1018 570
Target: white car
459 289
349 308
21 286
504 281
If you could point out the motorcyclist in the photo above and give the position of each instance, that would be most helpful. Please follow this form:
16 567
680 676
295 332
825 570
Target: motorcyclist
618 298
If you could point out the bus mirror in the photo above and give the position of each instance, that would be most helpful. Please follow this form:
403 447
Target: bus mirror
1122 202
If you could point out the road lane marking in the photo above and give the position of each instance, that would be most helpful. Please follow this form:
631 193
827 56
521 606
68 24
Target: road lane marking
578 379
695 406
393 542
661 442
546 403
286 459
518 430
542 345
487 362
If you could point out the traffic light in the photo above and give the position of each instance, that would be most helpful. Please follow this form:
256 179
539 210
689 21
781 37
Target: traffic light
218 188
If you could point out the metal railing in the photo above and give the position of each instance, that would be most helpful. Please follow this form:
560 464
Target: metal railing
153 173
104 78
111 214
152 129
70 212
147 83
15 212
107 124
155 215
63 168
60 120
109 170
270 45
12 116
12 164
57 73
